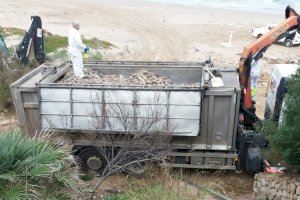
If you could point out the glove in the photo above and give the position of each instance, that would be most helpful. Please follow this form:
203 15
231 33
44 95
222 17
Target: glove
86 49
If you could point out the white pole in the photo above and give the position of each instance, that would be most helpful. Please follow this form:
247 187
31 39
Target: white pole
164 6
212 8
230 38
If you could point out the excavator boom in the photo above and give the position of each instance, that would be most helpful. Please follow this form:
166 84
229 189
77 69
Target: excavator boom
259 47
33 36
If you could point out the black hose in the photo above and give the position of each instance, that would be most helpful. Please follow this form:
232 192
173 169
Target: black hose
253 117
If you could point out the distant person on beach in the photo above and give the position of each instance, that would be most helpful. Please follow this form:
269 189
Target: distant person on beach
254 76
75 49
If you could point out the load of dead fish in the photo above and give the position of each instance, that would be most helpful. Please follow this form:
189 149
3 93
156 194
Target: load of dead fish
141 77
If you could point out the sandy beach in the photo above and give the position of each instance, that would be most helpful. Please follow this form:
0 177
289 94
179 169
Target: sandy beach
145 31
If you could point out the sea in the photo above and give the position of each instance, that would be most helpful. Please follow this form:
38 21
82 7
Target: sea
270 6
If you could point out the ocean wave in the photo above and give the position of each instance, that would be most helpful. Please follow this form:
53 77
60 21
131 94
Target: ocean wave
255 5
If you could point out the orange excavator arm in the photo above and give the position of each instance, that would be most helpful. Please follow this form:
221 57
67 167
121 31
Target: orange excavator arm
257 49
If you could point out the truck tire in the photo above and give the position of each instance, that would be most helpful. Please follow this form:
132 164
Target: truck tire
259 35
242 148
288 43
254 161
90 159
267 113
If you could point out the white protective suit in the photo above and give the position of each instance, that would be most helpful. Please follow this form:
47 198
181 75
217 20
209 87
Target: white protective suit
75 51
254 76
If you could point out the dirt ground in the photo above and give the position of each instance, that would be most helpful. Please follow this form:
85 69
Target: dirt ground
8 121
229 183
187 182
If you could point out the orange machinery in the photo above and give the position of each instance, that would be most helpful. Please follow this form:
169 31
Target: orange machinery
256 51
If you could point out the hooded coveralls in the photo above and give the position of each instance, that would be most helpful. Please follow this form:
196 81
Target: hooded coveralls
75 51
254 76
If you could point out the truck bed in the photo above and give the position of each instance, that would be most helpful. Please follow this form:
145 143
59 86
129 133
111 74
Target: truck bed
198 118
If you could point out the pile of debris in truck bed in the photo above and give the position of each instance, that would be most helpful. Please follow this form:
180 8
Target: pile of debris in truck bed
141 77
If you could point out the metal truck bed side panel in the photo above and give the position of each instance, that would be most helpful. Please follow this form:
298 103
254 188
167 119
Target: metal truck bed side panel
103 109
25 97
219 114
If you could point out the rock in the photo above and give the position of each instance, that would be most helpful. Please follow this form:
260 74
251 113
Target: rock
264 190
272 192
292 188
263 182
295 196
284 193
258 184
271 196
272 186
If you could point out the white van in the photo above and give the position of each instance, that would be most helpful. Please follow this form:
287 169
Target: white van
293 38
276 90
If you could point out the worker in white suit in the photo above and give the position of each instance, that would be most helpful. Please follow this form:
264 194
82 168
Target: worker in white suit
75 49
254 76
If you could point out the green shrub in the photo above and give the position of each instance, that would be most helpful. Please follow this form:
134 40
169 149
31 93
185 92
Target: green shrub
61 54
286 138
86 177
96 56
96 43
54 42
32 168
9 31
7 76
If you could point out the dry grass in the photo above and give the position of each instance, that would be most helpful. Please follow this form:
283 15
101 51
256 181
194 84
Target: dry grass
227 183
157 183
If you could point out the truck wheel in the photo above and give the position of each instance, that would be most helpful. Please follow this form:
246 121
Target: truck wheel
76 150
90 159
258 36
288 43
253 160
267 113
242 148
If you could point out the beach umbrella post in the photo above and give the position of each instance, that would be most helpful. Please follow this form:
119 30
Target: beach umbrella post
164 10
212 8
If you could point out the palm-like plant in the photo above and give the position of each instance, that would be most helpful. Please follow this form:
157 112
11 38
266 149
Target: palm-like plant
32 168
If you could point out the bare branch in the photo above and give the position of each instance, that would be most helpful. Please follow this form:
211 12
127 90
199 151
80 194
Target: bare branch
144 137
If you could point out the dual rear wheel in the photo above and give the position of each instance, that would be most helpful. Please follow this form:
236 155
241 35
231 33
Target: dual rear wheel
90 159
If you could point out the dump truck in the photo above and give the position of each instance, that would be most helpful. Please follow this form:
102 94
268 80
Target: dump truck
211 123
206 118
